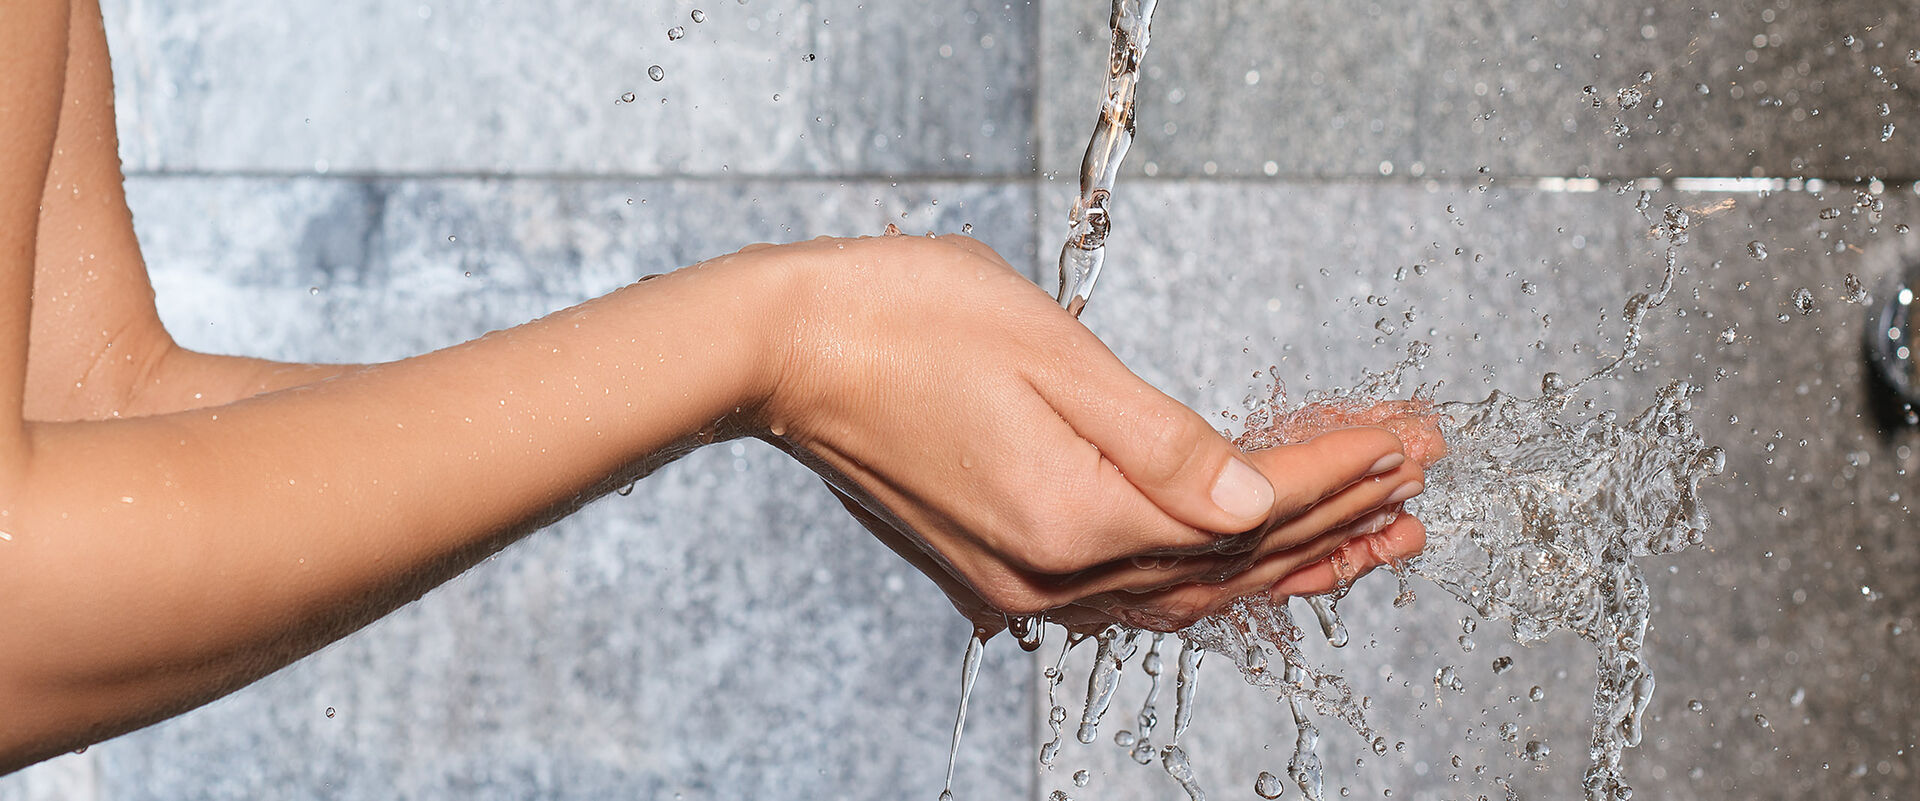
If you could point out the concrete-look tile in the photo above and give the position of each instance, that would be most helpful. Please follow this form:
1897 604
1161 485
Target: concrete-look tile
1232 86
773 88
1807 609
724 632
1735 89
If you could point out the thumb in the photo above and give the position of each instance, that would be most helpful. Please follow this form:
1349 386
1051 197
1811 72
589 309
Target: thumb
1179 462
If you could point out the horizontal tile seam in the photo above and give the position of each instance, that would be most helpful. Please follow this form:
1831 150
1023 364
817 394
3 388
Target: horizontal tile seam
1521 181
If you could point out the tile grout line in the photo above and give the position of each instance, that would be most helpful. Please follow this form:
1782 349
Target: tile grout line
1037 194
1519 181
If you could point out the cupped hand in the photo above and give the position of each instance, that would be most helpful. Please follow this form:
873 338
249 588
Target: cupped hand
984 434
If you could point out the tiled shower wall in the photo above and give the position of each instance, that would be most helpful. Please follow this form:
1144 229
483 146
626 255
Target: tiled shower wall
362 180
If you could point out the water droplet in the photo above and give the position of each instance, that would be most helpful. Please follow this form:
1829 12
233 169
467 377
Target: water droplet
1527 287
1886 132
1829 214
676 33
1268 786
1081 777
656 73
1059 795
329 711
808 58
1509 731
1552 384
1803 300
1537 750
1762 720
1695 705
1757 249
1855 292
699 16
313 290
1502 664
627 97
1847 40
1536 694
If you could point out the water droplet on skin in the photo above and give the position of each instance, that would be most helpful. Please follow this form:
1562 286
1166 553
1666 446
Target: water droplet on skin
676 33
656 73
1757 249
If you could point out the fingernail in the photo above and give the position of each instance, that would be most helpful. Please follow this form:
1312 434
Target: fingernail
1242 492
1406 491
1387 462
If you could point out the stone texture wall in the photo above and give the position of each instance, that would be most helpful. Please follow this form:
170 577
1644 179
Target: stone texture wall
356 181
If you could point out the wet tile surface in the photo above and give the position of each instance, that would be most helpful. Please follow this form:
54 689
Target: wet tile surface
724 632
476 87
1732 89
1774 607
1325 91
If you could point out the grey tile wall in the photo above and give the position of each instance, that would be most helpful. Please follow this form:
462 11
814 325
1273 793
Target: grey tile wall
1790 88
1218 76
775 87
1445 87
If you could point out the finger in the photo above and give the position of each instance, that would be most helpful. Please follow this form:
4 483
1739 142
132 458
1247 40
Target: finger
1305 474
1174 458
1139 567
1401 541
1171 607
1351 503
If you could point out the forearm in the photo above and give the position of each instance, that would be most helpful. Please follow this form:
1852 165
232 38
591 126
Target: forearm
154 563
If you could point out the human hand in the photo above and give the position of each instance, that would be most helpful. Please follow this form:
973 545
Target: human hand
992 440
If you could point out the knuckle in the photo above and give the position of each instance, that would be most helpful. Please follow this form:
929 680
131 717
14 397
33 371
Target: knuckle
1174 449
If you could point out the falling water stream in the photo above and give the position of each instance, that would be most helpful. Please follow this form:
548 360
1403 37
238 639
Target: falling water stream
1537 516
